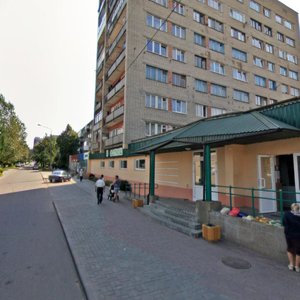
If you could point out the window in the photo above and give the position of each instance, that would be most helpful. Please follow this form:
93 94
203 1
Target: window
261 101
111 164
292 58
272 101
201 110
199 17
215 4
179 106
156 22
217 67
290 41
257 61
156 47
238 54
199 39
278 19
255 24
293 75
238 35
272 85
239 75
178 31
294 92
282 54
140 164
157 102
268 30
178 54
218 90
240 96
161 2
271 66
237 15
288 24
102 164
217 111
200 62
200 86
179 80
216 46
257 43
284 89
283 71
267 12
269 48
280 36
214 24
260 81
179 8
156 128
157 74
254 5
123 164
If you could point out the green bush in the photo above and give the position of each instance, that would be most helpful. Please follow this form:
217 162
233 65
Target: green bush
125 185
1 171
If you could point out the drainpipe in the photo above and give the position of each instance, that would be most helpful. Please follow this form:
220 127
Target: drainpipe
207 170
151 177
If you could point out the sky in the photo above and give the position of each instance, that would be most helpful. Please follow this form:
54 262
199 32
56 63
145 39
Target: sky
48 62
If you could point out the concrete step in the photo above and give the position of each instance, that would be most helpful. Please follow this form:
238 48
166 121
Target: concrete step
169 222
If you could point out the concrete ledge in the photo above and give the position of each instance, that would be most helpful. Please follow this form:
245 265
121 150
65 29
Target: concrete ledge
203 209
265 239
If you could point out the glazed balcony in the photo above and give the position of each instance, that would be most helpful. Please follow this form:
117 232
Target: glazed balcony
117 68
101 27
114 117
114 94
97 106
117 139
99 87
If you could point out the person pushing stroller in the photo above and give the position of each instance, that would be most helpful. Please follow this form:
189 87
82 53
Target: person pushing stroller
111 193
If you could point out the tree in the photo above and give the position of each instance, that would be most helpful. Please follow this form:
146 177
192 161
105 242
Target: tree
13 145
45 151
68 143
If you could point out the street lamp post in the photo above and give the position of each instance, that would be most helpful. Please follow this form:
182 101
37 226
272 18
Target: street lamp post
50 142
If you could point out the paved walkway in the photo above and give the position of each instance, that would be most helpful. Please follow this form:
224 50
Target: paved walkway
123 254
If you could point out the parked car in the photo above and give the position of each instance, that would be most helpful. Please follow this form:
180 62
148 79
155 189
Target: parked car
59 176
35 167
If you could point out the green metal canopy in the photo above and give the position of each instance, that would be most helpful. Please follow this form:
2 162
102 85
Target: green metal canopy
277 121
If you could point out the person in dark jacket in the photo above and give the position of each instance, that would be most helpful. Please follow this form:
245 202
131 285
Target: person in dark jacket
291 223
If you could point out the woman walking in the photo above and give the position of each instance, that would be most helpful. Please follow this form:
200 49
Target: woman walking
291 223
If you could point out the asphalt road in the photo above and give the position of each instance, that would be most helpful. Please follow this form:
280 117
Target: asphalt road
35 262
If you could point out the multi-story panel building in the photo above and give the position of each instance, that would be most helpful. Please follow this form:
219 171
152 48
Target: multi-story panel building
165 63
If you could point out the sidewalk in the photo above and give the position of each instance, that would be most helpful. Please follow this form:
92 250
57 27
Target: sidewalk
122 254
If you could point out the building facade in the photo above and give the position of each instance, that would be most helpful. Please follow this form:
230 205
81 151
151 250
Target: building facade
164 63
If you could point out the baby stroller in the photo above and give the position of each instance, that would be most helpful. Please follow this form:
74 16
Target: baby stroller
111 193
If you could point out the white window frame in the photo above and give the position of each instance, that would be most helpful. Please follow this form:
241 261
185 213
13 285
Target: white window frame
201 110
179 106
140 166
122 164
241 96
237 15
156 102
111 164
157 48
178 8
178 54
201 83
237 34
217 67
157 23
239 75
178 31
218 90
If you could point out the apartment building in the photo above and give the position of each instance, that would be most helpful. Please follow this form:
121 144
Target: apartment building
165 63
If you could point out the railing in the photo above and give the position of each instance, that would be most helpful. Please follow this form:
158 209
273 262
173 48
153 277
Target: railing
116 113
140 190
251 196
114 140
117 87
117 39
115 15
116 63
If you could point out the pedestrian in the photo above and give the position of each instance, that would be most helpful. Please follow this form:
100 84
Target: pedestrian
291 223
117 185
99 188
80 174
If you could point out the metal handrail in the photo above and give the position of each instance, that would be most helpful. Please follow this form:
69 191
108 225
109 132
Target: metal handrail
253 196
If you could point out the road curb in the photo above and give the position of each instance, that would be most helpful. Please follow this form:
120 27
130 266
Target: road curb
82 286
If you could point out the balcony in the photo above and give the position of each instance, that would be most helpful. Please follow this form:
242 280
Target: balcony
113 24
116 65
99 69
117 139
96 146
117 40
97 106
115 91
99 87
113 117
101 26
